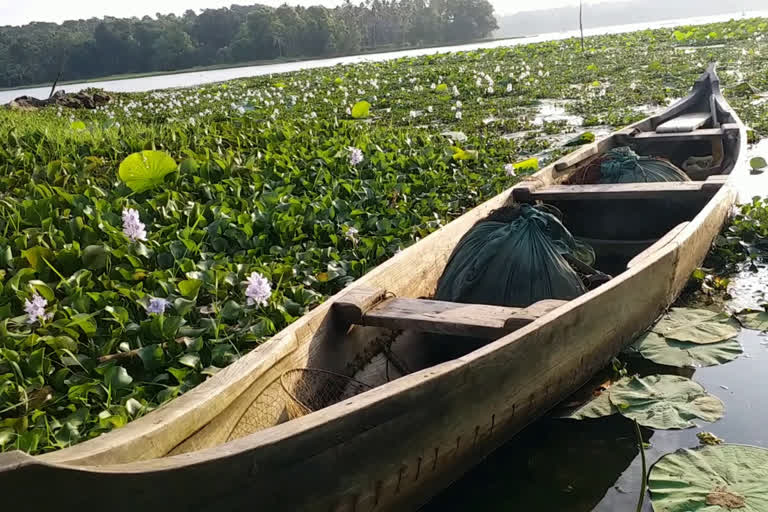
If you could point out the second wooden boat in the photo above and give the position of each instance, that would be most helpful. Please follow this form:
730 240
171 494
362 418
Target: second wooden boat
347 409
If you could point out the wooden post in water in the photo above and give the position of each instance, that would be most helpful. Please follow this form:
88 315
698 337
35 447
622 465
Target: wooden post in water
581 22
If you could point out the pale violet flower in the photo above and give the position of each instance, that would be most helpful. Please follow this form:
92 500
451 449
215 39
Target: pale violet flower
458 114
490 90
355 156
510 170
133 228
352 233
157 306
35 308
430 109
459 104
509 87
414 114
258 290
455 91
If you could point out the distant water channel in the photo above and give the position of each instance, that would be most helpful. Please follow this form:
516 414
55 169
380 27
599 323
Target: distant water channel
192 78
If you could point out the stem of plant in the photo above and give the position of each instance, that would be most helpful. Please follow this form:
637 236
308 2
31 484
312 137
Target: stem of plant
643 487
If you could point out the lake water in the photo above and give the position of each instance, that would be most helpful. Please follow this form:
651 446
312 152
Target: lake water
192 78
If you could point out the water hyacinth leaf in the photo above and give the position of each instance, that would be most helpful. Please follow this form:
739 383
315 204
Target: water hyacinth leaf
36 256
116 377
711 479
146 170
756 320
77 126
665 401
133 406
660 350
361 110
697 326
441 88
190 287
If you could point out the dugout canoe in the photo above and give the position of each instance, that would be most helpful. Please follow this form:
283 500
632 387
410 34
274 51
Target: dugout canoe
404 427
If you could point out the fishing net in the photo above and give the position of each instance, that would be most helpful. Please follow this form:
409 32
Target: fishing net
311 389
516 257
623 165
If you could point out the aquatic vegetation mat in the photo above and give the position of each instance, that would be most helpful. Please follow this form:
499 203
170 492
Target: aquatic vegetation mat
711 479
699 326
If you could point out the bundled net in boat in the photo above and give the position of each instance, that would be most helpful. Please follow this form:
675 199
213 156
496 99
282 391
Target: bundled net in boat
312 389
516 257
623 165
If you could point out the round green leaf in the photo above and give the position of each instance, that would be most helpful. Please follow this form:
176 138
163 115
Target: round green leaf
757 320
758 163
146 170
77 126
660 350
361 110
711 479
599 407
665 401
696 326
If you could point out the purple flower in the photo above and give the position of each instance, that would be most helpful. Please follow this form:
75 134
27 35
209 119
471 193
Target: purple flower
157 306
355 156
133 228
258 290
510 170
36 309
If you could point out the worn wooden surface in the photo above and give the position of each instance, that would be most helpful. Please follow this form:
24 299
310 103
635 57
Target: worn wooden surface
661 242
685 123
625 191
472 320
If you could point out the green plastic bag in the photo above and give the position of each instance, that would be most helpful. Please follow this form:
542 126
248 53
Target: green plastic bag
514 263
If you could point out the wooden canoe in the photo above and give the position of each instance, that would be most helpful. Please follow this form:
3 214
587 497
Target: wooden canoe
230 444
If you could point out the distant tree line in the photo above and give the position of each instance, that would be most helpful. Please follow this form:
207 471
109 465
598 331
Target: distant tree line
36 52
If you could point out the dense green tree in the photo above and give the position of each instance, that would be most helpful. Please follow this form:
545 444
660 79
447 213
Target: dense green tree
37 52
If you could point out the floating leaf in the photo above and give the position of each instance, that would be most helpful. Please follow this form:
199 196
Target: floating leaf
190 287
665 401
660 350
530 164
696 326
711 479
441 88
361 110
146 170
758 163
756 320
461 154
117 377
598 407
77 126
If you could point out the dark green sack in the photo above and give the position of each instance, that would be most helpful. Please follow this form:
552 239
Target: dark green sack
622 165
514 263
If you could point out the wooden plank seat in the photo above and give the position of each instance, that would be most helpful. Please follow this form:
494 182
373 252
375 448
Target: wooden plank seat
691 136
684 123
622 191
372 308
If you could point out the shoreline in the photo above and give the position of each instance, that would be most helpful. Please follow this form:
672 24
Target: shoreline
253 63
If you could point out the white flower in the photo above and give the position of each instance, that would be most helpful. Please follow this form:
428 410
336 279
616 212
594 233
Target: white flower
355 156
414 114
458 114
258 290
133 228
455 91
459 104
509 87
490 90
36 309
157 305
510 170
430 109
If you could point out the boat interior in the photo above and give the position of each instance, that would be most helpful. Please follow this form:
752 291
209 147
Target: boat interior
380 337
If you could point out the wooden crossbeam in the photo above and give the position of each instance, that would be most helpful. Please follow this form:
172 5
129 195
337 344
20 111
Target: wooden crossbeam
472 320
621 191
685 123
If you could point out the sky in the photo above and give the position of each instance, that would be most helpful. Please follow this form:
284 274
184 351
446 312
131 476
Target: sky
19 12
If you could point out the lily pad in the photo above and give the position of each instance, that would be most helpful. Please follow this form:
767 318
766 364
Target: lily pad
598 406
757 320
711 479
696 326
146 170
665 401
660 350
